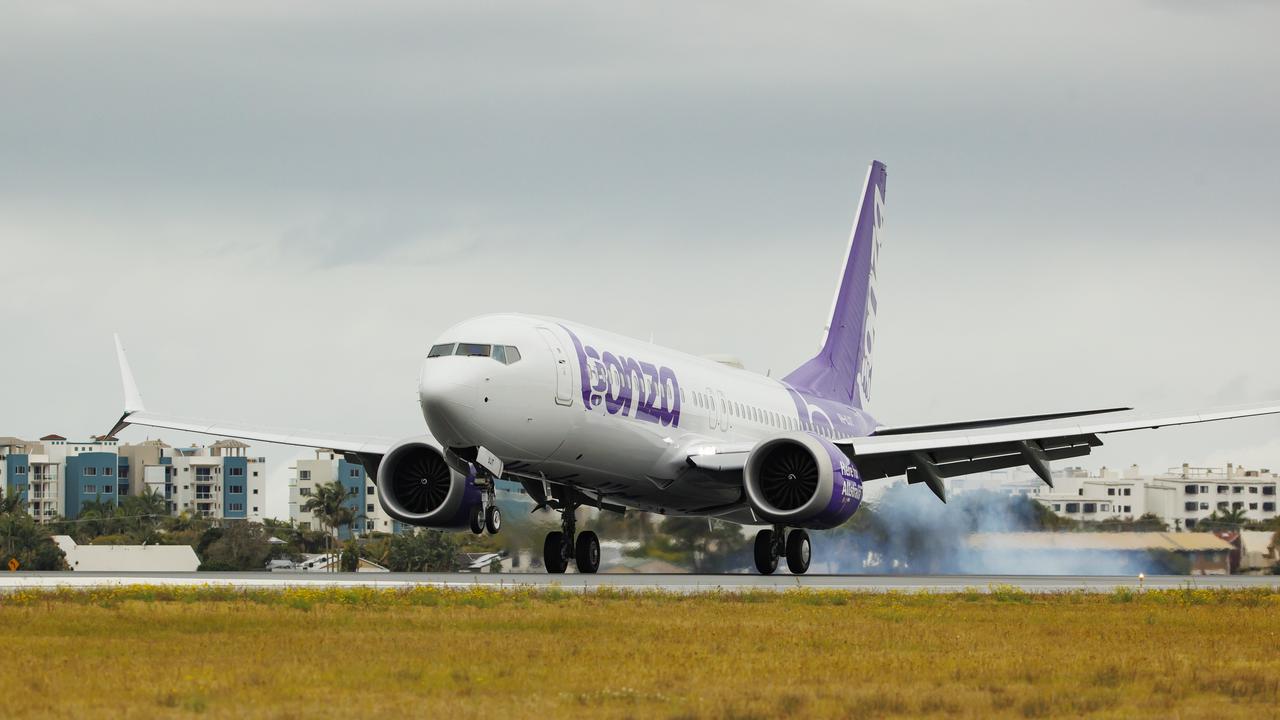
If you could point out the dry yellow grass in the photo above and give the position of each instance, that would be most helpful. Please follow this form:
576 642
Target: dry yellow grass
148 652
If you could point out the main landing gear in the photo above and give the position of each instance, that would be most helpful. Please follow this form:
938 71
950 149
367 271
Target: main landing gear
772 544
563 545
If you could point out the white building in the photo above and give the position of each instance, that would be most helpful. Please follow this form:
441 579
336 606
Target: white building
57 477
326 467
218 481
128 558
1181 497
1259 550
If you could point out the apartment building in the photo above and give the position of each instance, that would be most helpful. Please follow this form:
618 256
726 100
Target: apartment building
1182 497
326 467
57 477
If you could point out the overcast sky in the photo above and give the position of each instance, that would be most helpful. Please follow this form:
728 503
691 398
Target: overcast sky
280 205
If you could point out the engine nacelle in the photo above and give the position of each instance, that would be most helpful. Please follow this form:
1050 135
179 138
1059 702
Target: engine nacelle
417 487
802 480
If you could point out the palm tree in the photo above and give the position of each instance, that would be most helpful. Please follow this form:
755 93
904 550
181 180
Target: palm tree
328 504
1234 517
152 503
144 512
97 517
10 504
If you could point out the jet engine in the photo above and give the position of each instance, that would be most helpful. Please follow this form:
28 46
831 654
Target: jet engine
802 480
417 487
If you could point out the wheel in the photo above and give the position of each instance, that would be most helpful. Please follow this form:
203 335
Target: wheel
587 552
799 552
552 558
477 520
492 520
766 560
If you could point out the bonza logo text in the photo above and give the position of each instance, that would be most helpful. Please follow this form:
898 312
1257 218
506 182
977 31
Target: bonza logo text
621 385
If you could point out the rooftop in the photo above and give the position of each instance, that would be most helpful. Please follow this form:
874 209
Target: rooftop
1119 541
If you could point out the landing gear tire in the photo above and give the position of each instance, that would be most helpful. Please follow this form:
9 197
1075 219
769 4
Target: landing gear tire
552 549
477 520
587 552
766 558
799 552
492 520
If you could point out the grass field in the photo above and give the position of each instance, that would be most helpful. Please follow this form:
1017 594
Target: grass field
151 652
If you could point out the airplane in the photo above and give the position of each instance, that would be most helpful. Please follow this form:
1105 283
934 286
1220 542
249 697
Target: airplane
585 417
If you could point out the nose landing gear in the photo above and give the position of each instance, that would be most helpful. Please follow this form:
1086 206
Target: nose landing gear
772 544
492 519
486 517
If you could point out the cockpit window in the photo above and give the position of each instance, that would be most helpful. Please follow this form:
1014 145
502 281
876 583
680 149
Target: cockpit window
505 354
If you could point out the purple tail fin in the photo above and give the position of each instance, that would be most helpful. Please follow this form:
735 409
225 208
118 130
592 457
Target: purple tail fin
842 369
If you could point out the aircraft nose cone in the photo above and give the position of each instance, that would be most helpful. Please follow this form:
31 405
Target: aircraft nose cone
447 393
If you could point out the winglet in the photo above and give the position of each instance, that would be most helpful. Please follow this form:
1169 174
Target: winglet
132 398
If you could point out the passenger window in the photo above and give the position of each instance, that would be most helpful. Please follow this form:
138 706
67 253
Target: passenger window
441 350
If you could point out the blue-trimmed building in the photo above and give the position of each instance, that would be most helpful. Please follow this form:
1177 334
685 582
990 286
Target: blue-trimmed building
89 477
57 477
218 481
362 496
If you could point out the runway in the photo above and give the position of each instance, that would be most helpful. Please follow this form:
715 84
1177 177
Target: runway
669 583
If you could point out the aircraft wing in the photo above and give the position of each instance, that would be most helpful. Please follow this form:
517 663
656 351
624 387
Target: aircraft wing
929 457
365 445
932 453
135 413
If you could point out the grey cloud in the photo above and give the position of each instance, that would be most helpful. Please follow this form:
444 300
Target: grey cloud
337 239
1081 201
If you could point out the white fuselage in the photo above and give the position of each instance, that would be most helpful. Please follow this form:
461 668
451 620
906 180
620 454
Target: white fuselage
607 413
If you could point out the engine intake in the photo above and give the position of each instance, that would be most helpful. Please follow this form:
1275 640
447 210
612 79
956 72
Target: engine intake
802 480
417 487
